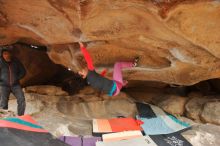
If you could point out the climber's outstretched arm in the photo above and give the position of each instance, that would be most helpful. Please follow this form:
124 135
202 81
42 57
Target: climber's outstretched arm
87 56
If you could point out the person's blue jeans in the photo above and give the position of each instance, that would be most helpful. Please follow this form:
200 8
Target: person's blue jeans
18 93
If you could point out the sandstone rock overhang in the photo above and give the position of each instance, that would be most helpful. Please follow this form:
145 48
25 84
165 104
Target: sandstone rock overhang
177 41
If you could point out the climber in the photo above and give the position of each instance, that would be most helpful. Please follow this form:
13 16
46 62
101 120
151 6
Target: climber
11 71
111 87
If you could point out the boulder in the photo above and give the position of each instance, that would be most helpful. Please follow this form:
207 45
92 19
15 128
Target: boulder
211 112
46 90
172 104
195 105
203 135
98 109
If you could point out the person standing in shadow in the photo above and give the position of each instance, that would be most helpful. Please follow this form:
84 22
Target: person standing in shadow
11 72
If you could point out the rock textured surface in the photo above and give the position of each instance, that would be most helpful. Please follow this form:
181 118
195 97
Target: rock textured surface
203 108
72 115
46 90
6 113
173 104
211 112
177 41
195 106
203 135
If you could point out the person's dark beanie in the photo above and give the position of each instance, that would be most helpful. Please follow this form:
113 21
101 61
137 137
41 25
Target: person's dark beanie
5 49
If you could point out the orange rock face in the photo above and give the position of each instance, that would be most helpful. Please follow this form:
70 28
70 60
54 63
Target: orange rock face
178 42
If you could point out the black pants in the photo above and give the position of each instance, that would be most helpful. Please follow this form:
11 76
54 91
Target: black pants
18 93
